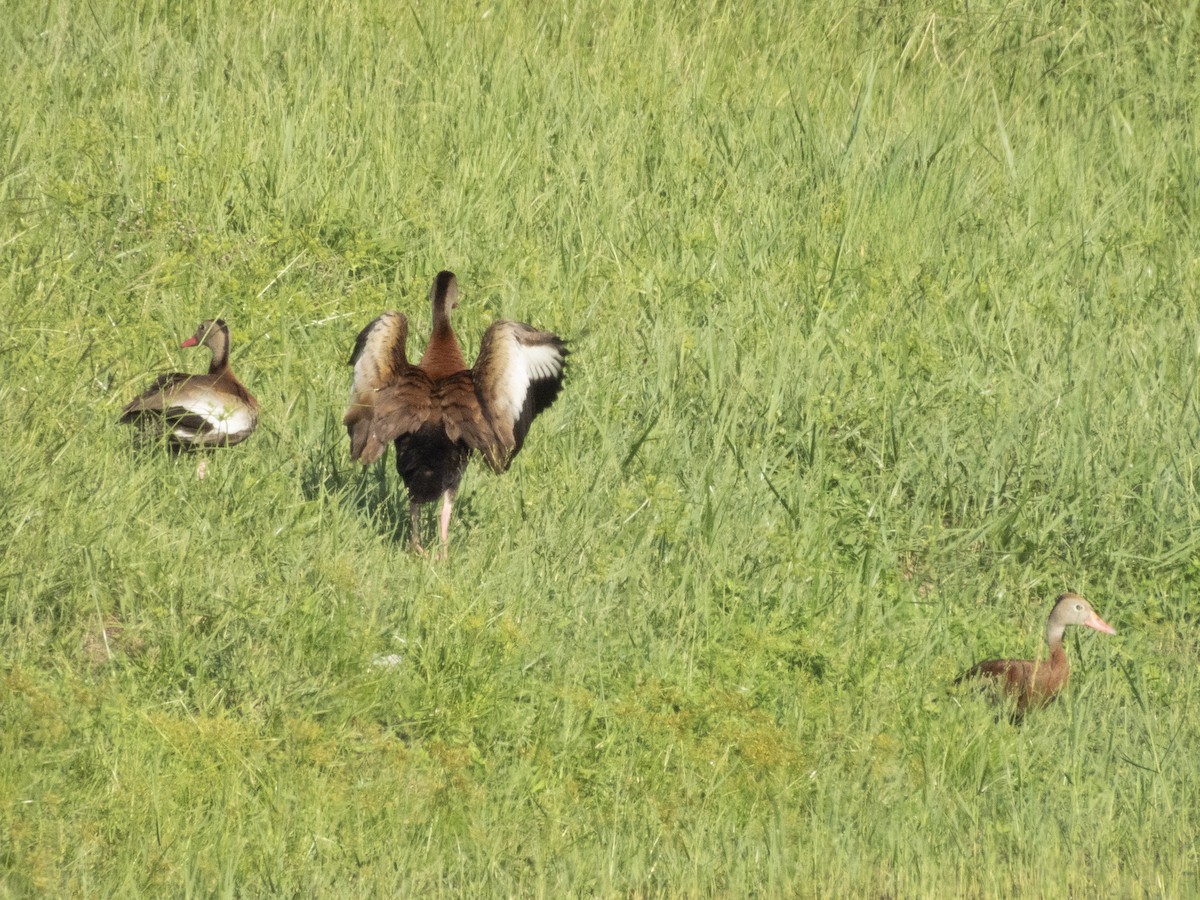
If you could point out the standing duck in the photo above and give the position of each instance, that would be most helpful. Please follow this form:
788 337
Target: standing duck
1029 683
198 410
439 411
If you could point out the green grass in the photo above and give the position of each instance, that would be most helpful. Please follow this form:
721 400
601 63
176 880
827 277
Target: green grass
885 330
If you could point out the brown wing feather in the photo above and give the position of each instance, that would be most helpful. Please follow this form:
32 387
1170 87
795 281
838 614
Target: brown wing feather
1024 683
403 407
460 412
378 358
152 399
519 373
1011 673
381 345
197 410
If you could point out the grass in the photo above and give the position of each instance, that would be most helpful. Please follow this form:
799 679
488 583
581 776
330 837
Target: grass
884 330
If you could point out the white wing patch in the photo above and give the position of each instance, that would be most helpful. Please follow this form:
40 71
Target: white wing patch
522 365
366 375
374 365
224 420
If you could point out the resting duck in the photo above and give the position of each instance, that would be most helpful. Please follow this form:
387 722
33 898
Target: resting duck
440 411
198 410
1028 683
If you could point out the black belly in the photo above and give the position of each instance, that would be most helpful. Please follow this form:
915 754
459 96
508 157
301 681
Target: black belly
430 463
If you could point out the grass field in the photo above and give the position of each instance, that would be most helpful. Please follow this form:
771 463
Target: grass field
885 330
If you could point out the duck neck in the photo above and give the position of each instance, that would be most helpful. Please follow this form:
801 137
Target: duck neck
442 332
442 356
1054 637
218 343
1054 634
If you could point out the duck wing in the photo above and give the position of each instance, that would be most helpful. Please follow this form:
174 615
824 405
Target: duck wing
379 359
155 398
414 400
197 409
519 373
1012 674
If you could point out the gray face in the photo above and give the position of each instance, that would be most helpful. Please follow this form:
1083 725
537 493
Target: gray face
1071 609
209 331
213 334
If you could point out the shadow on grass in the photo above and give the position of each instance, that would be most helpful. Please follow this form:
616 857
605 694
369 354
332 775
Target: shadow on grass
376 493
365 490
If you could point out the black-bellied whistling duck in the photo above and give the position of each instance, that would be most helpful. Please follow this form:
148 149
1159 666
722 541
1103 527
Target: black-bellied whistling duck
1029 683
439 411
198 410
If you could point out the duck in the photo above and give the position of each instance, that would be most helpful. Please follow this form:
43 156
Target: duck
212 410
439 412
1027 684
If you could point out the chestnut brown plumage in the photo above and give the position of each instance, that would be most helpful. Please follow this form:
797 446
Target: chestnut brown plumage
439 411
198 410
1028 683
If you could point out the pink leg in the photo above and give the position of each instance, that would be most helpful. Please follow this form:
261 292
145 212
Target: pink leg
414 510
447 507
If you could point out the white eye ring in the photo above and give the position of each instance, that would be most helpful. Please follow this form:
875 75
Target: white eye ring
1079 606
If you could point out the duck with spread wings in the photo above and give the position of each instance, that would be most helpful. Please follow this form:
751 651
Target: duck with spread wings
439 411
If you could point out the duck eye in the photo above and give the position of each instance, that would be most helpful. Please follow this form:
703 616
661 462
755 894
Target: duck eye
1079 606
